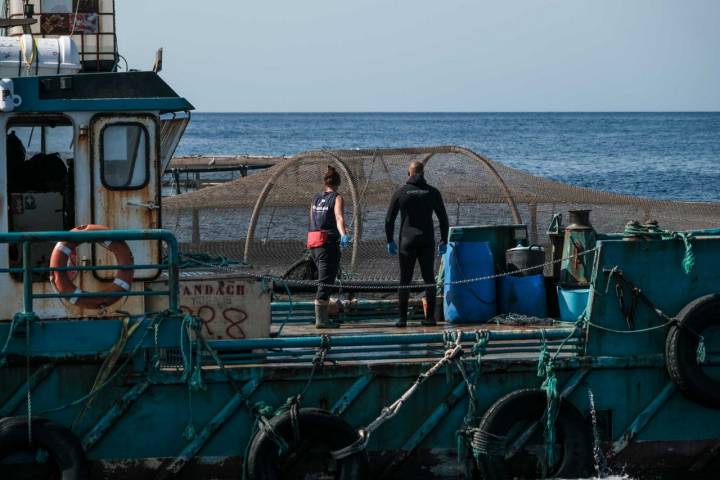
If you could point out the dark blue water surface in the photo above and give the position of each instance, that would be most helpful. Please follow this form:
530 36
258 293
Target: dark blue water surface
662 155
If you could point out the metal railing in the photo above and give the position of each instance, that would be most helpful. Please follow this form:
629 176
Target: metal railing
25 239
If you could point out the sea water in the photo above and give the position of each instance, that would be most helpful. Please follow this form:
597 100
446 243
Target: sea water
661 155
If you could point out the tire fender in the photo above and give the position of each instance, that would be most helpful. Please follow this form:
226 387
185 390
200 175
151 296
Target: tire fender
62 445
512 415
318 430
681 349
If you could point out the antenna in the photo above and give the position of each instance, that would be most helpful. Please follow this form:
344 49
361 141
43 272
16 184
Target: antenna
158 60
29 9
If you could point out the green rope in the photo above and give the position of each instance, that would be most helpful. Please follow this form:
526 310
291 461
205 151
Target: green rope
16 320
261 411
192 371
546 370
689 258
543 357
465 435
635 229
155 319
641 330
700 353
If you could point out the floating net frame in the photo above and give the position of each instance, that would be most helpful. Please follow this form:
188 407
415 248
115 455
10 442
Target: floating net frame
269 209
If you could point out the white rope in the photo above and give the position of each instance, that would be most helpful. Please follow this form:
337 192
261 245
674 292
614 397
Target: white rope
77 9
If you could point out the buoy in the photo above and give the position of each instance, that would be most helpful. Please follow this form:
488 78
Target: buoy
63 280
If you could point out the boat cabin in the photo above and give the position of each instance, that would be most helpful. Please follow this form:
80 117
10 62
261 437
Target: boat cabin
84 149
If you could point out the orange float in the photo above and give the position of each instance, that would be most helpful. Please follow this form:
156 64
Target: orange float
63 280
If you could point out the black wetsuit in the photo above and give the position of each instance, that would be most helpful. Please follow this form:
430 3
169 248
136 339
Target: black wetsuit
327 257
416 201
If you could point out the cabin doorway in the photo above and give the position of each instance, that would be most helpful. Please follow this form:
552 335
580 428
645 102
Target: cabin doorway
125 184
40 153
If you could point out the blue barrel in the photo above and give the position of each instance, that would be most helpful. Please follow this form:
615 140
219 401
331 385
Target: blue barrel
523 295
469 302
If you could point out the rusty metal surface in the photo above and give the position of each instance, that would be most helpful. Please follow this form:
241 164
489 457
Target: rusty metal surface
137 208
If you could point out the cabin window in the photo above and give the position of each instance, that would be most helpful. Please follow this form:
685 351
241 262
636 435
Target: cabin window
124 156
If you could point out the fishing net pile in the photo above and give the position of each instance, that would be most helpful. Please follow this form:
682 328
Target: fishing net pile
476 191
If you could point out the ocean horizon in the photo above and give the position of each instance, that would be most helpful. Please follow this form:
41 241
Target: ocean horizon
667 155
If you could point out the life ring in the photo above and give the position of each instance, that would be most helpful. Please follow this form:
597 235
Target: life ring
63 280
694 321
65 457
511 416
316 433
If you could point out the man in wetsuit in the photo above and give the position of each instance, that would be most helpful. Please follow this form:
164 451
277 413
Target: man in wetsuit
416 201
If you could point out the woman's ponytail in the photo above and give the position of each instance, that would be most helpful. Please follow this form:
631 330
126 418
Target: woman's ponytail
331 178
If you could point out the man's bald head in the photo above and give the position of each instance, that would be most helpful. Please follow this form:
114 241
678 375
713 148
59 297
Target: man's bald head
416 168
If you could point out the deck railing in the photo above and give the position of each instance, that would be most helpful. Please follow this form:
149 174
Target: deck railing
25 239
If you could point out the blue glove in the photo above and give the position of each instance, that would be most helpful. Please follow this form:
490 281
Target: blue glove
344 241
392 248
442 248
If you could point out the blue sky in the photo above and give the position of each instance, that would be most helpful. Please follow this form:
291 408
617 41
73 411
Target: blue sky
442 55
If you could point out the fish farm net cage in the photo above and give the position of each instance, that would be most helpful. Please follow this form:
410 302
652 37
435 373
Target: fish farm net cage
262 218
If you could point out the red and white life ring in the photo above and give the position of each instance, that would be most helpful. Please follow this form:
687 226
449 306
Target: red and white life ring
63 280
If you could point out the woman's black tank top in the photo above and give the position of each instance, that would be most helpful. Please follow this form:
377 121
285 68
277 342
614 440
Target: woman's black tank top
322 214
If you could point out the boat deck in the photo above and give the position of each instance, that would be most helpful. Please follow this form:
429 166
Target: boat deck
379 341
387 327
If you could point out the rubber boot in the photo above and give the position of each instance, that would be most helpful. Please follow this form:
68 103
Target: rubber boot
322 319
428 312
439 308
402 322
403 298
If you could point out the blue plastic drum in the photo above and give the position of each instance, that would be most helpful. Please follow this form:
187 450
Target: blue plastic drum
523 295
469 302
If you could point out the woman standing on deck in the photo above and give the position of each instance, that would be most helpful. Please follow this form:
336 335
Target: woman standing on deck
326 236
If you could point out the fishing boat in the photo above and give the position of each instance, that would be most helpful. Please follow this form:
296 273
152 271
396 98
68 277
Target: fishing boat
131 348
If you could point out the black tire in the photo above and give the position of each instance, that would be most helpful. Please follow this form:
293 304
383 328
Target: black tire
512 414
66 457
303 269
320 433
681 350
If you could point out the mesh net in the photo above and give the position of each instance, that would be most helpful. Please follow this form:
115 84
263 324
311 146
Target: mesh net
476 191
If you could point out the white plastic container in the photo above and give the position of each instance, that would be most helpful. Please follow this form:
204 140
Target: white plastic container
8 99
91 25
27 55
